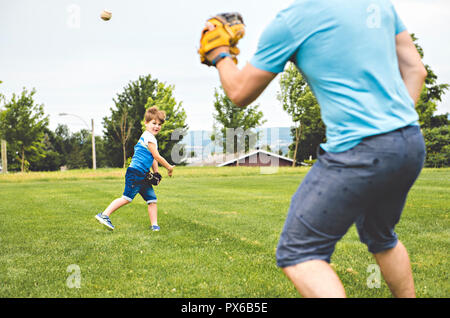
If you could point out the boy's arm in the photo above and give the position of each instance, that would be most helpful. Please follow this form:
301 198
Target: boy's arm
155 166
159 158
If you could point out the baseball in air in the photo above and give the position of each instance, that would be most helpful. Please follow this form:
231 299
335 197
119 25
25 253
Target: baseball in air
106 15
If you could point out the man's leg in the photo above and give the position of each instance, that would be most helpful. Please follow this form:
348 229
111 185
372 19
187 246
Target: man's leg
396 270
315 279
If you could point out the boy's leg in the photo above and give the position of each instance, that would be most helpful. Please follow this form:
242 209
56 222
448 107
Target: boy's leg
396 270
103 218
114 205
148 194
153 213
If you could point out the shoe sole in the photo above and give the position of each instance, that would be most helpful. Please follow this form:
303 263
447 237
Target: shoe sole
104 223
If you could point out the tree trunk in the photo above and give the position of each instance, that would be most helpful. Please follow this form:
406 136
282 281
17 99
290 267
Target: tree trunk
298 133
4 157
23 160
124 156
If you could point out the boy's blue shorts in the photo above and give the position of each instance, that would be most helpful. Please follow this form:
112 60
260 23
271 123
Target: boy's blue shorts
366 185
134 184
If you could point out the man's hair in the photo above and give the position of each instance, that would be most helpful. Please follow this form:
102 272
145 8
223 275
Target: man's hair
154 113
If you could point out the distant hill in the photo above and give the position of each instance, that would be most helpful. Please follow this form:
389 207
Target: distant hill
199 141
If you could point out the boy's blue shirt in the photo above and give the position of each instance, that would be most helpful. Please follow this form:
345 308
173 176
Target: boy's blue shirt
143 158
346 51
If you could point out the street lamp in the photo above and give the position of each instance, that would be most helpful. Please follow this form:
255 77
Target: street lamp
94 165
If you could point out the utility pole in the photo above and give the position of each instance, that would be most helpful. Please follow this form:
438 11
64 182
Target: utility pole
94 160
4 157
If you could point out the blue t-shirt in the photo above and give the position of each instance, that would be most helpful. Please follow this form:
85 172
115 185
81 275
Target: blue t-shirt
143 158
346 52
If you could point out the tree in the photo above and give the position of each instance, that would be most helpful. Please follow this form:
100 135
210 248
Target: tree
174 128
123 128
434 127
53 159
81 153
233 124
131 101
1 95
62 148
431 93
22 125
438 146
300 103
123 131
3 150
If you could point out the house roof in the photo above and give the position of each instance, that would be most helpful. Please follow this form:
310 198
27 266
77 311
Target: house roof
253 153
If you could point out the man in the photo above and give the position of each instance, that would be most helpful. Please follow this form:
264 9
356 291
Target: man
367 75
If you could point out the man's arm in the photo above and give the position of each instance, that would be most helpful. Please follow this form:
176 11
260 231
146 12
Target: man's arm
241 86
411 67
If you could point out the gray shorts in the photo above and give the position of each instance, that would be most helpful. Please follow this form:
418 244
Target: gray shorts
366 185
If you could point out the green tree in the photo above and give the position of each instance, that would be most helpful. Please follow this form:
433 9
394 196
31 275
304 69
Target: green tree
123 128
233 124
438 146
300 103
72 150
439 120
126 116
3 147
22 125
174 128
80 155
1 95
431 94
434 127
53 159
100 153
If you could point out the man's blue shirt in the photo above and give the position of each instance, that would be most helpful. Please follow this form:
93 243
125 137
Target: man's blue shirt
346 51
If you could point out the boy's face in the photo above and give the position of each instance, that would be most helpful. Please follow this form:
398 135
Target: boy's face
153 126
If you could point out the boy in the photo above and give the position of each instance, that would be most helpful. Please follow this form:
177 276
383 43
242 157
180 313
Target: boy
146 155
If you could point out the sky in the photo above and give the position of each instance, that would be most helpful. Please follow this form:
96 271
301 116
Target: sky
78 63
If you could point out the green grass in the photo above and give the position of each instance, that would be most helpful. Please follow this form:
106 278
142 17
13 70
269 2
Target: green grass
220 228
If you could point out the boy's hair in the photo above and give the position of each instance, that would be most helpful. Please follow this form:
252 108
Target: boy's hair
154 113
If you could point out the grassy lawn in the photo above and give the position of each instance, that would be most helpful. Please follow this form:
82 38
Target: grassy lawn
219 231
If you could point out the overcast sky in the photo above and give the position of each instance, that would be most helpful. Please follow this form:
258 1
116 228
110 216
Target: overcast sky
79 63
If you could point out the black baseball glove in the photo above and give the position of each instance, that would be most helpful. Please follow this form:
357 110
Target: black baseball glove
152 179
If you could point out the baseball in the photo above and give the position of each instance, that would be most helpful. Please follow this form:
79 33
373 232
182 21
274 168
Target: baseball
106 15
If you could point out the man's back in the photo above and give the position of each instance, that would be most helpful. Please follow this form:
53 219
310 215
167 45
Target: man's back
346 51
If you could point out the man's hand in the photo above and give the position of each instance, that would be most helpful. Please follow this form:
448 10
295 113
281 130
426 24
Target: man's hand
241 86
211 55
221 35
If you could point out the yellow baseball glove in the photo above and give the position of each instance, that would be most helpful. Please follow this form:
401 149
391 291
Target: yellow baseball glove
227 30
